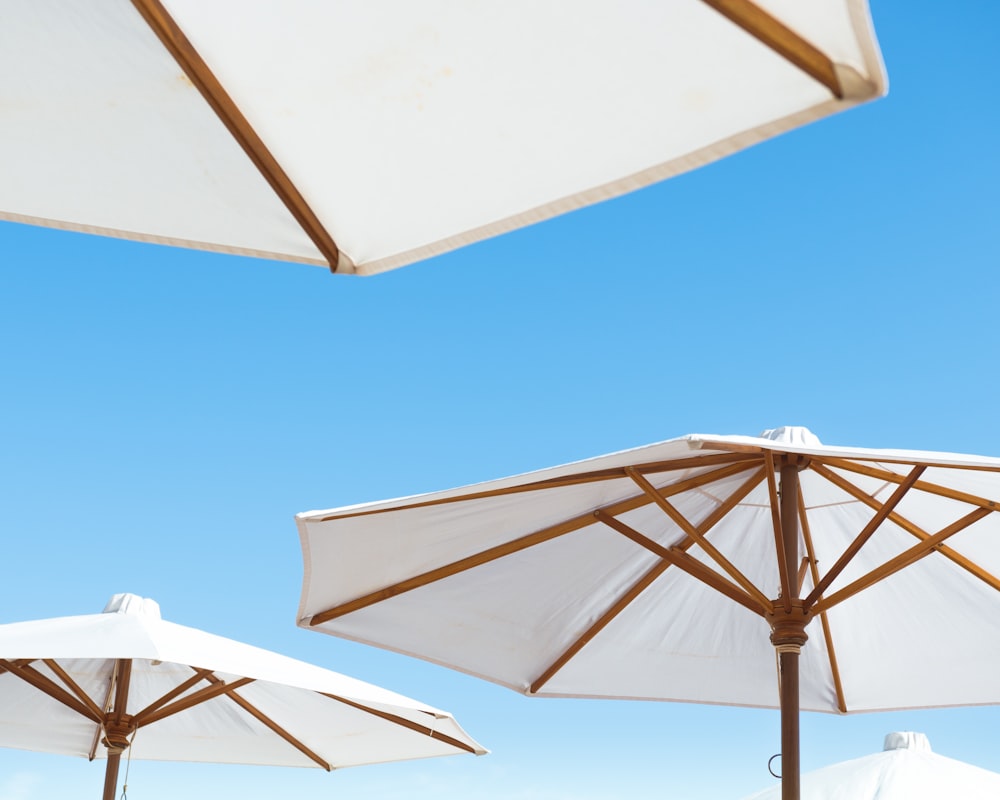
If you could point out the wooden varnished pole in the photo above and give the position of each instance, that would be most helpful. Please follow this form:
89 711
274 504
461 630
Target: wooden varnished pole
788 635
111 775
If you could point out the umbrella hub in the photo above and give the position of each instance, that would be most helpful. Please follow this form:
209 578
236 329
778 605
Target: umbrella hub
788 626
116 733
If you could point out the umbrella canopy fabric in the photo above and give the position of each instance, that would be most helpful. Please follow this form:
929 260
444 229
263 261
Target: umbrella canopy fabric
678 570
125 675
906 769
368 135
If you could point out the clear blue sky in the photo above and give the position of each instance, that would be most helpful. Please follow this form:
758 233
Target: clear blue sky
165 413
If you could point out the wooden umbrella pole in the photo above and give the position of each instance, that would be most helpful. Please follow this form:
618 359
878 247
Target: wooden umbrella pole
788 635
111 774
117 725
788 666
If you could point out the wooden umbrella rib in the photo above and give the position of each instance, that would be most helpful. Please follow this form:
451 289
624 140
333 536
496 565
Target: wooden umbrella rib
676 554
619 606
923 486
782 40
177 691
46 685
191 700
881 514
403 722
824 620
969 565
685 562
273 726
914 530
685 525
197 70
738 463
801 577
903 560
73 686
779 540
862 462
736 448
514 546
692 462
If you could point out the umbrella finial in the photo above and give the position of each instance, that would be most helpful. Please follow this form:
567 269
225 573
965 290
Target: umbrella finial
907 740
792 434
125 603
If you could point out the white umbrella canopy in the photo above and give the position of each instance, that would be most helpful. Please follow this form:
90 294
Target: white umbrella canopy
92 685
678 570
368 135
906 769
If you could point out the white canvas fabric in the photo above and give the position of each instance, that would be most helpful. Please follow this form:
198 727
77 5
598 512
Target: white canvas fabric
409 128
164 655
427 563
906 769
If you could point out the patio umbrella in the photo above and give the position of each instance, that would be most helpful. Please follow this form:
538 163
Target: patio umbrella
368 135
906 769
90 685
688 570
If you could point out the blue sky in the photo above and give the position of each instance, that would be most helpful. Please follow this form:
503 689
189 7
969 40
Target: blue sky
166 412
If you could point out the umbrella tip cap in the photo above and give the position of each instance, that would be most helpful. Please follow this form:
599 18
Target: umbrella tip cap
125 603
907 740
792 434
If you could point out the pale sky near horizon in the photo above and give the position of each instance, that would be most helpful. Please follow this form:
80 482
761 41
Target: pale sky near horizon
167 412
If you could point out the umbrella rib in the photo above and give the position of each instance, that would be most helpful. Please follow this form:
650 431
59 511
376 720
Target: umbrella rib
646 580
782 40
685 562
74 687
179 46
803 571
903 560
403 722
824 620
259 715
620 605
200 675
724 563
678 558
192 700
48 686
779 539
967 564
882 513
516 545
924 486
594 476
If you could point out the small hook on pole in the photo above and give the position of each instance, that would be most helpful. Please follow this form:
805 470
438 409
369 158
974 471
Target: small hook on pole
771 761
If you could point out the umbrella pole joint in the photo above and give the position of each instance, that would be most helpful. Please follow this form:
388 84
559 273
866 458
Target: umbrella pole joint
116 733
788 627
